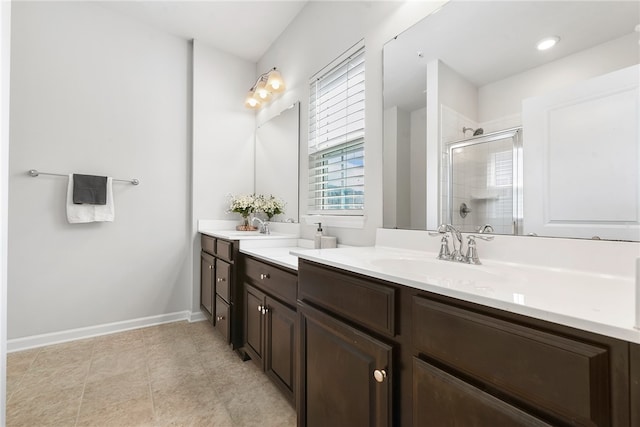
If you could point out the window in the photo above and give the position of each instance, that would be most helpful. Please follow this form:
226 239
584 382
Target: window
336 139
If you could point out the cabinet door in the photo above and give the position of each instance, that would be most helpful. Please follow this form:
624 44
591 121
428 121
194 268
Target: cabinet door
441 399
223 279
206 283
221 319
338 369
280 347
254 305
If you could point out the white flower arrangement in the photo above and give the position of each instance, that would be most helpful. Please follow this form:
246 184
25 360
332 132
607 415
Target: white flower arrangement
270 206
244 204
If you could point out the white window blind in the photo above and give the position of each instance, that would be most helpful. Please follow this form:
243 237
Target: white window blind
336 139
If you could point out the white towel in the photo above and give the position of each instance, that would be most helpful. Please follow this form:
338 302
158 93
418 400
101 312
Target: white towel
90 213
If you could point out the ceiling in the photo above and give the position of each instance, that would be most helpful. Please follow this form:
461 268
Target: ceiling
486 41
244 28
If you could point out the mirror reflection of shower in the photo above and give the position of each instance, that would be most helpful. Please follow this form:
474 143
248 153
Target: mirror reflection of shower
474 132
484 182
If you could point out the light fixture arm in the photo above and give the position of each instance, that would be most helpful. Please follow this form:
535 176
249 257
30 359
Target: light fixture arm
266 84
262 77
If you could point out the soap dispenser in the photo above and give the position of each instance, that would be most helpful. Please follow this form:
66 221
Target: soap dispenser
317 240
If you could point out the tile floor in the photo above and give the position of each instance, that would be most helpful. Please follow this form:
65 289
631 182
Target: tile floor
176 374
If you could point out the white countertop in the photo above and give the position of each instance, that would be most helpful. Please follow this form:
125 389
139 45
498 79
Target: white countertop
280 255
225 229
582 284
599 303
246 235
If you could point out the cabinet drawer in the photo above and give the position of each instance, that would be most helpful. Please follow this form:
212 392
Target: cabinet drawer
208 244
223 278
224 249
567 379
221 318
365 302
272 280
439 398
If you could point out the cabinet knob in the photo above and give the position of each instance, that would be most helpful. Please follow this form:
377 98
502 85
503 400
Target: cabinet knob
264 276
219 318
260 309
265 309
211 267
380 375
221 279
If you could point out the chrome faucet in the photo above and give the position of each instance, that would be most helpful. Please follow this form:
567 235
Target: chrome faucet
456 255
471 256
264 225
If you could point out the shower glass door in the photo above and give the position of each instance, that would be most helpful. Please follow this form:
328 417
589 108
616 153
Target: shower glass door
485 184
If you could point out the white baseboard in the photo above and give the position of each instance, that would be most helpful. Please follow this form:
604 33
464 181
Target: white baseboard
197 316
35 341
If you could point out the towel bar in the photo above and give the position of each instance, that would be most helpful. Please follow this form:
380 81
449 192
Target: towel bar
35 172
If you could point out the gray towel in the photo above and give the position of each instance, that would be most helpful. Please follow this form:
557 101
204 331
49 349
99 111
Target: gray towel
89 189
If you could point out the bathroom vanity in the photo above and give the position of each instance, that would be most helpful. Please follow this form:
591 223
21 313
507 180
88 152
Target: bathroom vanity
374 352
253 293
391 336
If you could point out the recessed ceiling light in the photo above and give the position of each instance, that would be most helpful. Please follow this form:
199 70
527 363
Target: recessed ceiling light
547 43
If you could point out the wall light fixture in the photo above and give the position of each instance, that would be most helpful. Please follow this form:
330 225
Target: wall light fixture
267 84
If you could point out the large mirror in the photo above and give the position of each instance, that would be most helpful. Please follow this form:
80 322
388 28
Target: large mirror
482 129
276 160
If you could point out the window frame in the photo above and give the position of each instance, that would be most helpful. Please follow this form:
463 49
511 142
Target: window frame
354 140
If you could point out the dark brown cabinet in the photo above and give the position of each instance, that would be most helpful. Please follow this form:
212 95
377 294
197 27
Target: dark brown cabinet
270 321
567 379
280 345
455 363
441 399
346 374
207 287
254 311
634 358
218 290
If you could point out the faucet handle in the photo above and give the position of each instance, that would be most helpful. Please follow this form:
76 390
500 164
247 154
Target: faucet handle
443 228
487 228
472 251
475 236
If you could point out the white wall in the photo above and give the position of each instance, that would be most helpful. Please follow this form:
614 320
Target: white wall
390 165
457 92
223 140
403 184
319 34
5 59
97 93
418 164
504 97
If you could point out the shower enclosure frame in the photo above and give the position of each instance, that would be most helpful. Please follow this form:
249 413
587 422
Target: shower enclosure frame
516 136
